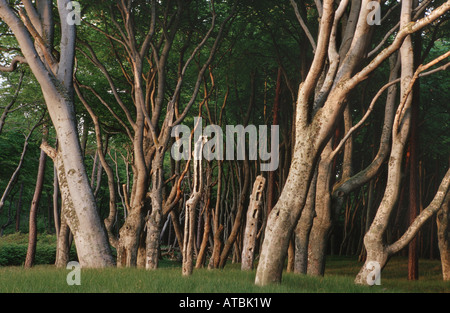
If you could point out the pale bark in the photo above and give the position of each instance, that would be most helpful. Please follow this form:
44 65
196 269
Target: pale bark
55 79
149 139
322 222
377 250
155 219
309 139
312 135
346 185
201 256
109 221
251 229
191 206
373 239
63 242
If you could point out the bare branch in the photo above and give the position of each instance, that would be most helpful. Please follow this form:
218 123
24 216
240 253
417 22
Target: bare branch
93 58
383 41
205 66
432 208
421 68
33 15
315 70
7 109
13 66
410 28
304 26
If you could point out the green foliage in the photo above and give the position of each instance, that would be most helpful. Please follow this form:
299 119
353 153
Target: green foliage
13 250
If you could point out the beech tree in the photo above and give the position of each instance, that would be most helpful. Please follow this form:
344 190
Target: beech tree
34 29
143 48
313 128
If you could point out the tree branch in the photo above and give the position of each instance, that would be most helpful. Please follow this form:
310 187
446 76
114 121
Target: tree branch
13 66
304 26
432 208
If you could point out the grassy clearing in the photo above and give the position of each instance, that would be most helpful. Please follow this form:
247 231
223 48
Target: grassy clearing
339 275
338 279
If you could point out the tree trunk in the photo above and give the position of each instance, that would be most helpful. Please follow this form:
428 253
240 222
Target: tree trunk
217 227
239 216
32 234
56 211
271 191
321 226
207 220
19 208
56 81
251 229
154 221
443 233
191 205
63 242
414 191
413 255
373 240
284 216
303 229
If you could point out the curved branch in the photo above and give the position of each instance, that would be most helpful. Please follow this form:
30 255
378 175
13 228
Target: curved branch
432 208
304 26
11 103
13 66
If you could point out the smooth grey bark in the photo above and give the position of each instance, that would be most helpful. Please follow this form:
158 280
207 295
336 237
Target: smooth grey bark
56 81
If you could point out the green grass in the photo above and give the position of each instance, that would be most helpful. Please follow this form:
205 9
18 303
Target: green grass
339 275
168 279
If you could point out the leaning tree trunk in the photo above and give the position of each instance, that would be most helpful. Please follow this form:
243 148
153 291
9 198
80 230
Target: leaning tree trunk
373 240
32 234
303 230
321 226
443 223
251 228
56 81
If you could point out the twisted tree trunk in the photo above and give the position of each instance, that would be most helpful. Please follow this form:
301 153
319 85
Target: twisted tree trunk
251 229
191 205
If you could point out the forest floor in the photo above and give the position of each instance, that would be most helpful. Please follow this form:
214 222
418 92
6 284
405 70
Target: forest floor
339 275
338 278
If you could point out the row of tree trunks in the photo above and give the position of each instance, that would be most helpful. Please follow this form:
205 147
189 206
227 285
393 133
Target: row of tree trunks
316 121
377 250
